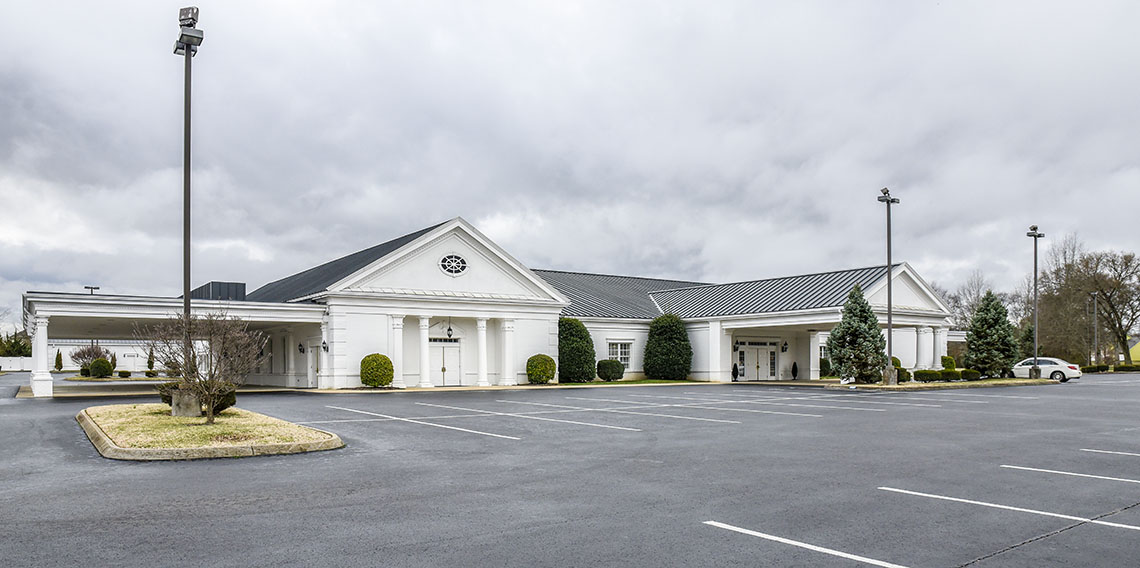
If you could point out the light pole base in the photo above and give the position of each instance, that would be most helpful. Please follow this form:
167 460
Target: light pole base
1035 372
890 376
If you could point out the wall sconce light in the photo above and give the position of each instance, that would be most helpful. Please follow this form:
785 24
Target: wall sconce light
325 346
784 347
735 346
449 331
300 347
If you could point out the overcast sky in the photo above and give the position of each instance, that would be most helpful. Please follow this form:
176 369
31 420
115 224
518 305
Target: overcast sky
713 141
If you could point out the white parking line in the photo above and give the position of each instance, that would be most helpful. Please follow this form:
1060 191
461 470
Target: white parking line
771 401
985 395
754 410
1072 474
812 547
1110 452
1009 508
425 423
623 411
854 399
531 417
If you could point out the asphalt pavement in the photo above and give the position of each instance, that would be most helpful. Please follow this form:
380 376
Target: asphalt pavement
680 475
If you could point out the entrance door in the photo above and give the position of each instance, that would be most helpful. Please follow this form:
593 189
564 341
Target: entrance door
748 364
765 364
311 365
445 367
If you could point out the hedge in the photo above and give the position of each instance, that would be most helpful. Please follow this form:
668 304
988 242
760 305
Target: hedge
668 354
575 352
1126 368
902 374
540 369
125 374
610 370
376 370
971 374
824 367
950 374
101 368
927 376
948 362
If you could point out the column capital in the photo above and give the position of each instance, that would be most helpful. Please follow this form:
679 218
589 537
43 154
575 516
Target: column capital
925 329
481 323
41 320
425 322
508 325
397 321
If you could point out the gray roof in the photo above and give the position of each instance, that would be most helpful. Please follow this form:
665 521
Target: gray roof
321 277
822 290
607 296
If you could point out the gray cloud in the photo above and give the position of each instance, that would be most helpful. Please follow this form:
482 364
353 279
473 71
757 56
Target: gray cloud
734 141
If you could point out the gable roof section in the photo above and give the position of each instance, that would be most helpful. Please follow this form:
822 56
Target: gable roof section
321 277
809 291
607 296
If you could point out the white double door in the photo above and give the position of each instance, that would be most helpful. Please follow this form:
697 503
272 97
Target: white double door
756 364
446 370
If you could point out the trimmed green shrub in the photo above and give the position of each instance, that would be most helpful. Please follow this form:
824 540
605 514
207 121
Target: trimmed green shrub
950 374
1125 368
124 374
927 376
164 390
575 352
668 354
824 368
58 360
151 373
85 371
540 369
895 361
225 401
971 374
376 370
150 359
856 344
903 374
948 362
101 368
610 370
164 394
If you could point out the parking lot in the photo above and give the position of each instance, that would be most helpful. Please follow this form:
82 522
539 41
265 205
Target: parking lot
681 475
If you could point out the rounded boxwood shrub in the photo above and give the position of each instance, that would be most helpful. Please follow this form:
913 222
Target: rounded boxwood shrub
124 374
164 390
85 371
610 370
971 374
668 354
903 374
376 370
950 374
101 368
948 362
540 369
927 376
824 368
224 402
575 352
895 361
151 373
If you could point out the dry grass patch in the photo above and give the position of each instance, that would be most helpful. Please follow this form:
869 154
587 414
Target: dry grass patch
152 426
79 378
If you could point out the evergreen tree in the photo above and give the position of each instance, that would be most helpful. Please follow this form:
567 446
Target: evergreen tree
668 354
150 358
576 360
114 362
990 344
856 345
58 360
1025 343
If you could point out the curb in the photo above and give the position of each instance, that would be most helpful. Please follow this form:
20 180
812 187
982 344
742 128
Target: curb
935 386
107 448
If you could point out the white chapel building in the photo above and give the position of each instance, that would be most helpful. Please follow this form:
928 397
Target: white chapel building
450 307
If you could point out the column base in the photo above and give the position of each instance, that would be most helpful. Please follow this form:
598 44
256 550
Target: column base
41 383
483 383
508 382
425 385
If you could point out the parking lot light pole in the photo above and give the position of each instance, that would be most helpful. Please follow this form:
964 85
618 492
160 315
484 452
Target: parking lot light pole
189 38
1035 371
889 376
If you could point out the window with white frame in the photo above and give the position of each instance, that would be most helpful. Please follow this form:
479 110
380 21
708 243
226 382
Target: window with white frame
619 351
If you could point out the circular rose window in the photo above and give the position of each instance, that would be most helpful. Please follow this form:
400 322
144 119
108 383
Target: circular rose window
453 264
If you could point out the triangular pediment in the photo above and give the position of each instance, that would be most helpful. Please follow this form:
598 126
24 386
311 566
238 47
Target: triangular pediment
910 292
454 260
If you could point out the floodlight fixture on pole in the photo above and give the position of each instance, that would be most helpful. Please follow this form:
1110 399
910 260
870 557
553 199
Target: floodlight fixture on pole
1035 371
889 376
189 38
92 289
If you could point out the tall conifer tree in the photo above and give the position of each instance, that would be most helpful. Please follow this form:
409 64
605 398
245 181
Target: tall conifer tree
856 346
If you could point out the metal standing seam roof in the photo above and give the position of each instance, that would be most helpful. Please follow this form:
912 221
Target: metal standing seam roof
809 291
321 277
608 296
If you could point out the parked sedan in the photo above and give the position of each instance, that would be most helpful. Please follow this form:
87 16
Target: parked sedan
1056 369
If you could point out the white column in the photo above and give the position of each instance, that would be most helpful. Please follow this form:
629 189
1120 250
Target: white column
716 339
509 378
481 328
324 377
41 376
290 364
425 359
924 348
397 351
939 346
813 355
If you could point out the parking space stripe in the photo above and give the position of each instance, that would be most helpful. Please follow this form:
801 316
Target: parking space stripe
623 411
532 417
812 547
985 395
425 423
771 401
754 410
854 399
1069 473
1110 452
1009 508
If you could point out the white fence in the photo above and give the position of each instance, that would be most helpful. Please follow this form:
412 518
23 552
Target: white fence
15 363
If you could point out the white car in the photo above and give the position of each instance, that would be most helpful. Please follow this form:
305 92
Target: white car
1051 367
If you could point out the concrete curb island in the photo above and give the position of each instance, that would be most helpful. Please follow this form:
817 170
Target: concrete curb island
108 449
945 386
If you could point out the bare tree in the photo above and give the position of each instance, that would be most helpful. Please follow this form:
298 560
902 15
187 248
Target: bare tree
83 356
1114 278
223 352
